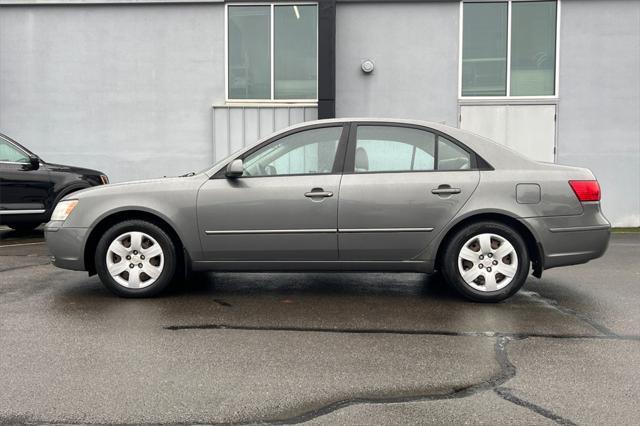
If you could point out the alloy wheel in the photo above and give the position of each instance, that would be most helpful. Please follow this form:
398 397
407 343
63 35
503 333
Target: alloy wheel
487 262
135 260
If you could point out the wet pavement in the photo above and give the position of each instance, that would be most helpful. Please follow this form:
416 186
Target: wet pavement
330 348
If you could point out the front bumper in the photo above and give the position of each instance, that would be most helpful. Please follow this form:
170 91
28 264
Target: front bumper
66 245
571 240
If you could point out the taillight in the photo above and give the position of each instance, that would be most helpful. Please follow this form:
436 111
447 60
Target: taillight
586 190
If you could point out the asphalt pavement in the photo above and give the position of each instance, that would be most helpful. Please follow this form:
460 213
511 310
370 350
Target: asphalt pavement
319 348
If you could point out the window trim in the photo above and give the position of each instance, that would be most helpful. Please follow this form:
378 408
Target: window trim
477 163
272 100
556 94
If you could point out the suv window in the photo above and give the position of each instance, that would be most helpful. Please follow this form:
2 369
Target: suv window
392 148
10 153
310 151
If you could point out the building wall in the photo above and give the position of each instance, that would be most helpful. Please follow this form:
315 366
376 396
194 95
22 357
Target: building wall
126 89
599 111
129 89
415 50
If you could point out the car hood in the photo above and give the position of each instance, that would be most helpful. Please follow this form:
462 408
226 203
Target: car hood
79 170
147 186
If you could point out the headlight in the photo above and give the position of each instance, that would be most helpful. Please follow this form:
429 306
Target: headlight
64 209
104 179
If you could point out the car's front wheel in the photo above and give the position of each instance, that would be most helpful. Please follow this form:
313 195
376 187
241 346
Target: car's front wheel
135 258
486 262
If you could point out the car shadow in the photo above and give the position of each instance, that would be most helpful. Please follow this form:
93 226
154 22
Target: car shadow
308 283
315 301
8 235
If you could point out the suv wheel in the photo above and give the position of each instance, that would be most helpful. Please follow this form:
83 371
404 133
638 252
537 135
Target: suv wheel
135 258
23 226
486 262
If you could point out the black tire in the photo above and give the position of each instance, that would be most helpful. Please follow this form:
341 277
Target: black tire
157 233
23 227
450 261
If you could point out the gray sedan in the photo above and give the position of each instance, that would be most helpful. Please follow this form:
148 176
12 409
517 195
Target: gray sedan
341 195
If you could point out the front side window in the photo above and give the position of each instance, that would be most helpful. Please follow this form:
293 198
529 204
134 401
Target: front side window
390 148
489 67
310 151
272 52
11 154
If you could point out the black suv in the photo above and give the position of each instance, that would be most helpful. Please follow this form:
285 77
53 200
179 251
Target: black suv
30 188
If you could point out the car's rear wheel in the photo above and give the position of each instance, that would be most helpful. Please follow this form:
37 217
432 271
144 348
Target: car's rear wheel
486 262
135 258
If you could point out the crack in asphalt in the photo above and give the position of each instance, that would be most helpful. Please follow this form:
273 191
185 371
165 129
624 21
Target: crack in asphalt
507 372
507 395
507 369
494 383
515 336
33 265
571 312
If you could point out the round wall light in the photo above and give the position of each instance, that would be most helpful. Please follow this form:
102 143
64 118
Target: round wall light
367 66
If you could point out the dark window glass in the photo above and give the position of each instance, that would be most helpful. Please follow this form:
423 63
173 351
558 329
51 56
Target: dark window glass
249 72
484 49
533 48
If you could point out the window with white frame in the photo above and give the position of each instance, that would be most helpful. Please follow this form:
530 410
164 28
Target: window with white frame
272 52
508 48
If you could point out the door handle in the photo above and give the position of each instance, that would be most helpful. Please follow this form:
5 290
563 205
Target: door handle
445 190
318 192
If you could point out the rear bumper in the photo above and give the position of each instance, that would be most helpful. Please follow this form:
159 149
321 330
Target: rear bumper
65 245
571 240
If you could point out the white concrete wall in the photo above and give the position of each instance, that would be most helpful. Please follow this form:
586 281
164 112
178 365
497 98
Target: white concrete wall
415 50
599 111
126 89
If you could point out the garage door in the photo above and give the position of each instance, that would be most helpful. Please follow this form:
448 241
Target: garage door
529 129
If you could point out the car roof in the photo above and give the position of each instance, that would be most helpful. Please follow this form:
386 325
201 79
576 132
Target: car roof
498 155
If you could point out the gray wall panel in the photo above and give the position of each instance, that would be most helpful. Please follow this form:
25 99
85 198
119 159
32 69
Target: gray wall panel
124 89
415 50
240 126
599 113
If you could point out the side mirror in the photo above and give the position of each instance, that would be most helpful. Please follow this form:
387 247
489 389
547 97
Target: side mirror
235 169
34 162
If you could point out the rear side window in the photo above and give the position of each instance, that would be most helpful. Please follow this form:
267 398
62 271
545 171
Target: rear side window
451 156
406 149
388 148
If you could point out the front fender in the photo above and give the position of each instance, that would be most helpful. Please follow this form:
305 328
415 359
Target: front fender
172 201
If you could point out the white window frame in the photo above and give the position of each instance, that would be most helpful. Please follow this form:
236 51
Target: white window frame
508 96
234 101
